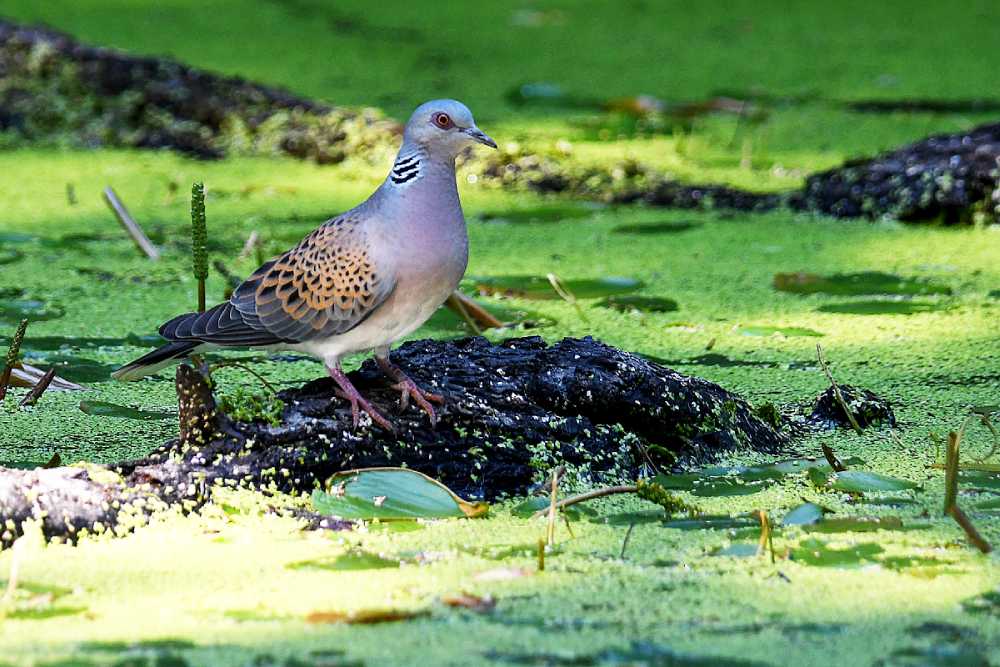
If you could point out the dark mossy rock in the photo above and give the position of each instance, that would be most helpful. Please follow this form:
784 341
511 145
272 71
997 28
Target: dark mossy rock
944 177
58 88
867 408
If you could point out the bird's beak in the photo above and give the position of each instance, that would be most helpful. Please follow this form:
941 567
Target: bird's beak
480 136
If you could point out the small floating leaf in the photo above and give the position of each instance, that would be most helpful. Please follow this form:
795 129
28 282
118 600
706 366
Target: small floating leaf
14 309
938 655
105 409
534 504
863 283
816 552
987 603
988 505
738 550
365 616
860 481
352 560
880 307
10 256
539 214
713 522
391 493
790 332
854 524
979 479
539 287
741 480
643 304
655 228
804 514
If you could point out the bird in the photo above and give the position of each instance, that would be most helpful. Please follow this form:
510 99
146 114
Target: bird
359 282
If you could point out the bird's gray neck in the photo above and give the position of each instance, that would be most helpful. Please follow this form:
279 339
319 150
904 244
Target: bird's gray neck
420 175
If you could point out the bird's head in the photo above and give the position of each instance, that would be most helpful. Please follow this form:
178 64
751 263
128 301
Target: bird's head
444 127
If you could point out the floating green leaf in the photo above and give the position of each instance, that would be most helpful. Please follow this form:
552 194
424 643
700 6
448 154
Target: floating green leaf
979 479
738 550
391 494
539 287
803 515
655 228
789 332
883 307
859 481
938 655
10 256
855 524
105 409
713 522
863 283
643 304
352 560
534 504
539 214
987 603
816 552
741 480
14 309
988 505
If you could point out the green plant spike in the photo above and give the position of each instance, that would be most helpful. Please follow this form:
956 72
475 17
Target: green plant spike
199 241
12 353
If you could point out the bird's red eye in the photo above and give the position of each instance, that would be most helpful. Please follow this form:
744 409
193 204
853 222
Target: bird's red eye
442 120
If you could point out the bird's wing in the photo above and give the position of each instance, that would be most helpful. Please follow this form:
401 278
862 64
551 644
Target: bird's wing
324 286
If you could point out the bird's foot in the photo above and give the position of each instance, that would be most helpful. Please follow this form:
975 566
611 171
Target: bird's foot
408 389
358 402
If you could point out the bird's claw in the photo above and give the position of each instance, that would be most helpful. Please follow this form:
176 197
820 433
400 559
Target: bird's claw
359 404
408 389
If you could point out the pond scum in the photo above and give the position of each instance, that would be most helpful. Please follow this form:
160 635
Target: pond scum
867 547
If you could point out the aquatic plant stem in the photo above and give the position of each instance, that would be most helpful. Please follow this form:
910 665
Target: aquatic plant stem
589 495
836 389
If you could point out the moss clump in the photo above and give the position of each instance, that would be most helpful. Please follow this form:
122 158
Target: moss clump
655 493
246 406
768 413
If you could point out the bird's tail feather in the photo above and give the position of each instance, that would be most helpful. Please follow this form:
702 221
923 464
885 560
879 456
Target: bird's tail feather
155 360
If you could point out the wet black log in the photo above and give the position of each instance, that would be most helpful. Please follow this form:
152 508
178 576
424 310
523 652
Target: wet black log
514 410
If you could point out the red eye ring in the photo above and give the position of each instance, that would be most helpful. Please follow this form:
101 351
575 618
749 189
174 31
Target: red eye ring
443 121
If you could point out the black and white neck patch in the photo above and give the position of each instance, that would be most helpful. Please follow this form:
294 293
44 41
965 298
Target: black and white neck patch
406 169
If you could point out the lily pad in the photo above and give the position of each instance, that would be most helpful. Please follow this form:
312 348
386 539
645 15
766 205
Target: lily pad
855 524
742 480
653 228
105 409
859 481
803 515
883 307
352 560
864 283
16 309
938 655
539 287
9 256
713 522
818 553
789 332
642 304
391 494
534 504
988 603
738 550
539 214
979 479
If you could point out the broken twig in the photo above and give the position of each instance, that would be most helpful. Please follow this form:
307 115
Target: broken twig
589 495
975 538
951 472
836 389
199 241
831 458
131 226
36 392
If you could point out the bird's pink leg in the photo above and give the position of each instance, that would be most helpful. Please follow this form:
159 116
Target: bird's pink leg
408 389
358 402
